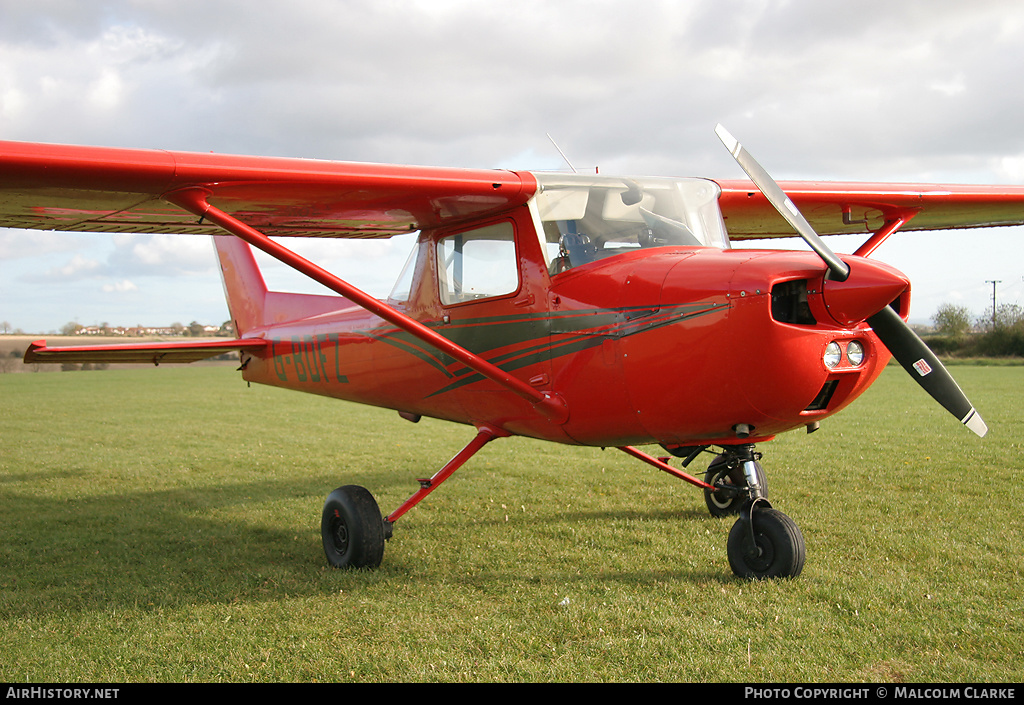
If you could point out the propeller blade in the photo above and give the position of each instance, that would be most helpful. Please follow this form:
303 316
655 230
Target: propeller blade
922 364
838 270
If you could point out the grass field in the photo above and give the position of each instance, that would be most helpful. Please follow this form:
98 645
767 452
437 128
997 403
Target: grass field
163 525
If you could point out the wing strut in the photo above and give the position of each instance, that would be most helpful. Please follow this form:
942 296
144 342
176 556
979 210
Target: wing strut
883 233
194 200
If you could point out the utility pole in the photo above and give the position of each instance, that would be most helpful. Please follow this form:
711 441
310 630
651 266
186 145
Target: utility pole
993 283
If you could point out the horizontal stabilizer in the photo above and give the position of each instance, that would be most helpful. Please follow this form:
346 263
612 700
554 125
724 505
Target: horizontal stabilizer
147 353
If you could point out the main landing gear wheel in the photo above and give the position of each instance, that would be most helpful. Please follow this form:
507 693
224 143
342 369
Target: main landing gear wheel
734 492
352 528
775 548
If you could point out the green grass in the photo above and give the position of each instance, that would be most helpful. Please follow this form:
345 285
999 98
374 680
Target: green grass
162 525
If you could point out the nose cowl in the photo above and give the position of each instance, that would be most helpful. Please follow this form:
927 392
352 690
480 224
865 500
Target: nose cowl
870 287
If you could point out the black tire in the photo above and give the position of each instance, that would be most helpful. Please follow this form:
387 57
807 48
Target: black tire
352 528
778 550
720 503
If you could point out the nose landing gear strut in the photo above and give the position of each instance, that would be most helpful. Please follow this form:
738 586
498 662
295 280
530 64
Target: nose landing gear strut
764 542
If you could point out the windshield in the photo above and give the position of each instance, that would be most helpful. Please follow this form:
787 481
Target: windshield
589 217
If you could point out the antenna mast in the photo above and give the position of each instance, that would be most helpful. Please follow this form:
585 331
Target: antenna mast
561 152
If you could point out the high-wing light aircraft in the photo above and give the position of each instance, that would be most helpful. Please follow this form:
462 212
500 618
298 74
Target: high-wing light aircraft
580 309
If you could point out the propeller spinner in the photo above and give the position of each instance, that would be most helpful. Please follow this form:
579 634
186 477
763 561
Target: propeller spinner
904 344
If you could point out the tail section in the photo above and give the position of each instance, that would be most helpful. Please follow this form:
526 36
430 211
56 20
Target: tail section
244 286
250 303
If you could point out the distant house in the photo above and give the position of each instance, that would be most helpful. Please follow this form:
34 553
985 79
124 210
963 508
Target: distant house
102 330
148 331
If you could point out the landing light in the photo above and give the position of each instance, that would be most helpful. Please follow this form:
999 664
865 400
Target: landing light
833 354
855 353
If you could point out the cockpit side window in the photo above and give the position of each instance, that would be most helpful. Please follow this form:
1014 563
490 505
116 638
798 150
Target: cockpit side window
477 264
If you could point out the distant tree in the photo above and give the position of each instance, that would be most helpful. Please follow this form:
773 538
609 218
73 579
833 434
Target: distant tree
952 321
70 328
5 327
1006 316
195 329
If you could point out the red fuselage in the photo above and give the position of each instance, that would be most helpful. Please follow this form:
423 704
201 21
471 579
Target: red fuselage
671 345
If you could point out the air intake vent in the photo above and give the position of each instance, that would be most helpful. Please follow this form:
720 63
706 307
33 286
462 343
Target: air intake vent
789 303
824 396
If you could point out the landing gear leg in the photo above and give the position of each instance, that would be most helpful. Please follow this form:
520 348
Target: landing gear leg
764 542
731 489
351 525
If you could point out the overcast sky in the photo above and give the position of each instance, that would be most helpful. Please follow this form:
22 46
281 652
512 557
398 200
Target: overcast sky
877 91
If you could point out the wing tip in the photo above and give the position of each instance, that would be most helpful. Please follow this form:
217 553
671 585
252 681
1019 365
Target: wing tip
34 347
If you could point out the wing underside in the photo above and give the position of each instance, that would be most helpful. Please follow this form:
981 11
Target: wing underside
94 189
851 208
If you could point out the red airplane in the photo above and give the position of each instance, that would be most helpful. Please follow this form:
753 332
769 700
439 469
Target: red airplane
580 309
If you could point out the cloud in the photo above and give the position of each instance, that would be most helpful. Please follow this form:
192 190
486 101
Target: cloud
166 256
1011 168
879 91
161 255
119 287
78 268
17 244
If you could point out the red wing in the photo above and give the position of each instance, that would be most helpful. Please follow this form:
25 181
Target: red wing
152 353
840 208
95 189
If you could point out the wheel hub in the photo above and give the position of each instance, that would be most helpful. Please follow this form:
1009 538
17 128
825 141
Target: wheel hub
339 532
762 555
